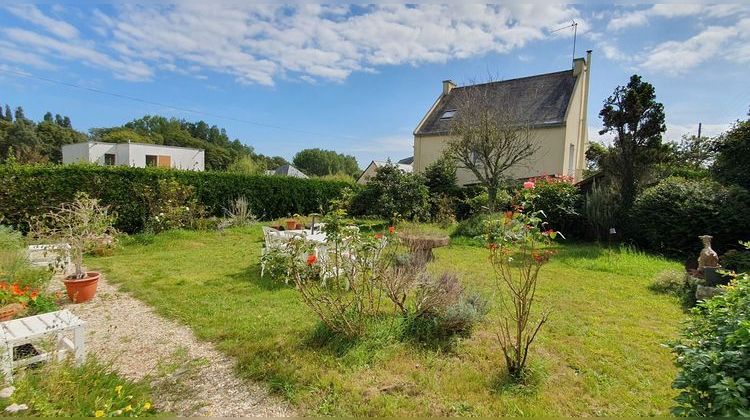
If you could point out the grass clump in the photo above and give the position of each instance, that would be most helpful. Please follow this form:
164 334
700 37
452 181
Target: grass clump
61 389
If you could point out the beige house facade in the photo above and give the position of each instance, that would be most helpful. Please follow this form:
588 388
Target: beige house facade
557 105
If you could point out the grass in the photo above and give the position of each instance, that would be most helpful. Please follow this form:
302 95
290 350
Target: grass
59 389
600 354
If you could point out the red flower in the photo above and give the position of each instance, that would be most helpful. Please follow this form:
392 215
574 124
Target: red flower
34 294
391 230
311 259
508 214
492 246
528 185
378 236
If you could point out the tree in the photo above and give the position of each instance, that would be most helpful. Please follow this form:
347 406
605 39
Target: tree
8 115
632 114
695 152
246 165
595 155
393 195
440 177
48 117
732 151
489 138
325 162
20 116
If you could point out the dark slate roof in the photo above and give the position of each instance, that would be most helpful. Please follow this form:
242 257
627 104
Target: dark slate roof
544 98
407 161
289 170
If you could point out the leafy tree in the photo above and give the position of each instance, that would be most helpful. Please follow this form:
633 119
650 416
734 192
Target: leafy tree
20 116
595 154
732 151
636 119
490 138
246 165
325 162
48 117
393 194
695 152
8 115
440 177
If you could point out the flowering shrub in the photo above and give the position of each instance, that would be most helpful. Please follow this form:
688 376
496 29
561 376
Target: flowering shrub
557 197
13 293
517 242
171 205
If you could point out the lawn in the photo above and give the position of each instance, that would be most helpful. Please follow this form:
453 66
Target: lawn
600 354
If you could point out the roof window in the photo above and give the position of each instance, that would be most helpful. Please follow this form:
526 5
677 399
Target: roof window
448 114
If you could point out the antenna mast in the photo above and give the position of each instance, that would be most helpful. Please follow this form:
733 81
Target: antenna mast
573 25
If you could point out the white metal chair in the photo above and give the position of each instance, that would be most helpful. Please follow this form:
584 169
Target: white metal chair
273 239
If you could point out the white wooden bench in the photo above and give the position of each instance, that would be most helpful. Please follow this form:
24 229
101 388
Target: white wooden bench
18 332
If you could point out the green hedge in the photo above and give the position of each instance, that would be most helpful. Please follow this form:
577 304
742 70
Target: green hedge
669 217
29 190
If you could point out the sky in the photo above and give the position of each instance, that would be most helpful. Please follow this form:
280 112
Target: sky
356 78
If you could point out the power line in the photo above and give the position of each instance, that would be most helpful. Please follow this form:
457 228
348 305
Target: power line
177 108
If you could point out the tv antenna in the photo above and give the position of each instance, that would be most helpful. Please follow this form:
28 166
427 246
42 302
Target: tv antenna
573 25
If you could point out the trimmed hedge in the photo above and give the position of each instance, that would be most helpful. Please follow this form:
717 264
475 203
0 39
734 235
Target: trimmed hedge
29 190
669 217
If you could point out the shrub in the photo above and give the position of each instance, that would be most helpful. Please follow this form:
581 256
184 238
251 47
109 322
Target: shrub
558 198
599 208
517 243
443 210
393 195
171 205
474 227
32 190
736 260
670 282
713 355
670 216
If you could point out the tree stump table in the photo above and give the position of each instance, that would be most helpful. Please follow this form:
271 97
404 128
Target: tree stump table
421 245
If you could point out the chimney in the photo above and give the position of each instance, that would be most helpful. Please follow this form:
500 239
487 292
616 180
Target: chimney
448 85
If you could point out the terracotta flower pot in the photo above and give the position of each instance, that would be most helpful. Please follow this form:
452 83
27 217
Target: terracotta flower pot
9 311
82 290
291 224
299 226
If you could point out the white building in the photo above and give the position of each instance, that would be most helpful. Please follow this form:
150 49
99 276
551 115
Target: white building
138 155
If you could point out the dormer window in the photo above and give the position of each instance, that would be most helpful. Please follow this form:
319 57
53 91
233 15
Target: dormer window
448 114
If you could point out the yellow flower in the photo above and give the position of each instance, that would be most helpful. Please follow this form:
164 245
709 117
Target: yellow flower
118 389
99 413
146 405
129 408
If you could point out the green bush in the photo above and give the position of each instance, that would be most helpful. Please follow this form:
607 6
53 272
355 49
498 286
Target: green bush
393 195
736 260
560 200
31 190
474 226
669 216
713 355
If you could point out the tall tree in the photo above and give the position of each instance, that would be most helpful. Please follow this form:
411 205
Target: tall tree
8 114
489 138
636 119
325 162
732 153
20 116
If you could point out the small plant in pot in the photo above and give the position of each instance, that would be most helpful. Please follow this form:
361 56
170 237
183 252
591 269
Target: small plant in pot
84 224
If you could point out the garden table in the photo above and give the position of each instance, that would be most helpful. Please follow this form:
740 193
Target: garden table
319 237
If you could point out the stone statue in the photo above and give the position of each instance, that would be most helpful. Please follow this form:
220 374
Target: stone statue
707 257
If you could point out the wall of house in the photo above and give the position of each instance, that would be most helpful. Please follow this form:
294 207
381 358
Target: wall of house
133 154
75 153
576 124
190 159
368 173
549 159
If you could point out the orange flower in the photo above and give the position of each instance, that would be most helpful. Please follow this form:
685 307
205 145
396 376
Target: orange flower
34 294
311 259
378 236
492 246
16 290
391 230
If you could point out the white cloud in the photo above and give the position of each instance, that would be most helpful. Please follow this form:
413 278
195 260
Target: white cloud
714 42
31 13
260 43
124 69
641 17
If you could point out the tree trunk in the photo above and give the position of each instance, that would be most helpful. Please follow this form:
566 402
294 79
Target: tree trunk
492 198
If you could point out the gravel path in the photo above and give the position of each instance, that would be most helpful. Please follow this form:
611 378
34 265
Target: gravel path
189 377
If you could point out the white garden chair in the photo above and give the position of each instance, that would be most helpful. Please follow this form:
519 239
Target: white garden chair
273 239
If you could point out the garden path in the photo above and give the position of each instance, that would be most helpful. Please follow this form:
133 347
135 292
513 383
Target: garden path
189 377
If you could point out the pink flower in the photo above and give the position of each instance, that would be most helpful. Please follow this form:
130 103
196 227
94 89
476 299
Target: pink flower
528 185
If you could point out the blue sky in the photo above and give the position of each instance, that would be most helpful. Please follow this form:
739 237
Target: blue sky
356 79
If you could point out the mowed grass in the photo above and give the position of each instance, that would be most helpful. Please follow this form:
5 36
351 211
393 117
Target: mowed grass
601 352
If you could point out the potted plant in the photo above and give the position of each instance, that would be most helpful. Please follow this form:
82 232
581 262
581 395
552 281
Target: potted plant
83 224
291 224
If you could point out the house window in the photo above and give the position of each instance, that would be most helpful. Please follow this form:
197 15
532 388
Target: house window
151 160
448 114
109 159
162 161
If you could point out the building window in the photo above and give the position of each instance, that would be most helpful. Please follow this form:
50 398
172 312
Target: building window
448 114
109 159
151 160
